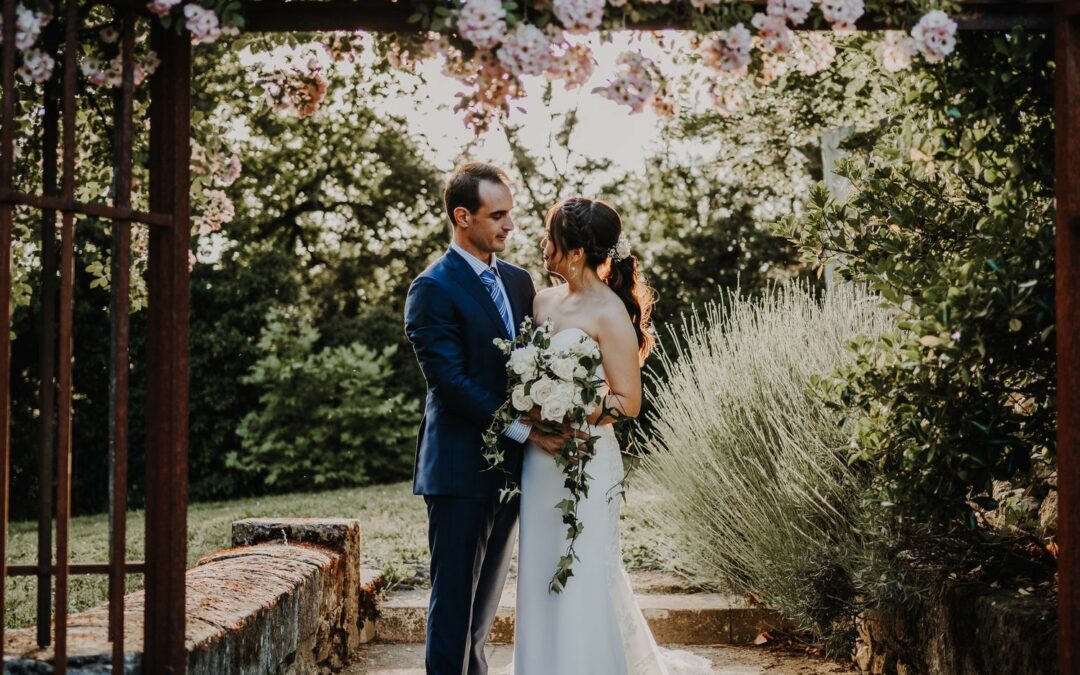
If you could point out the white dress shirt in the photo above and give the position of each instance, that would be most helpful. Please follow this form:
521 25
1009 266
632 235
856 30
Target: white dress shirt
518 431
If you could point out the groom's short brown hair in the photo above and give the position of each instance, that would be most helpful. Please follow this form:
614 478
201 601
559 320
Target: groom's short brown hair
463 186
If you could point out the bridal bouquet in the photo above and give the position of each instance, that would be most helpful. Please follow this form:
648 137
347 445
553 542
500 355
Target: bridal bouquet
552 387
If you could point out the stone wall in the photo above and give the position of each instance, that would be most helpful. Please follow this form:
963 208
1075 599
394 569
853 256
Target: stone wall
961 630
289 597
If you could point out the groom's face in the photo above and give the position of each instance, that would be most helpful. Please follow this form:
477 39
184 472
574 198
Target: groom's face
490 226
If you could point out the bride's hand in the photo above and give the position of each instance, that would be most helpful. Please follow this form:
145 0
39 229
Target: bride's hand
552 443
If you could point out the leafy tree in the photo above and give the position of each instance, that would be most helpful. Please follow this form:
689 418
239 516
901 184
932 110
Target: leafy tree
951 219
338 233
325 416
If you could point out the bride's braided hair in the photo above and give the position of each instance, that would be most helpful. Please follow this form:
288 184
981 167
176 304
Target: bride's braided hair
595 226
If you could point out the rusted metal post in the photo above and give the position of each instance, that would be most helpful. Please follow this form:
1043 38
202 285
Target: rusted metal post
167 357
1067 254
119 311
47 387
7 174
65 344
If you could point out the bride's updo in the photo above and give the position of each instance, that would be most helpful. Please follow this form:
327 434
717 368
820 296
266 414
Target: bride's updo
595 226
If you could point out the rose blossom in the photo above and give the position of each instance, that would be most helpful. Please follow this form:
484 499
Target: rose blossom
232 171
542 390
161 8
202 22
37 66
896 51
574 65
523 361
490 88
559 402
634 86
525 51
520 400
586 346
579 15
219 211
482 23
842 14
565 367
28 25
730 50
774 33
794 11
935 35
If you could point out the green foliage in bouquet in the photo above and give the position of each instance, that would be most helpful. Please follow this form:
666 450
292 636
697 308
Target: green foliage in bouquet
950 218
325 418
556 389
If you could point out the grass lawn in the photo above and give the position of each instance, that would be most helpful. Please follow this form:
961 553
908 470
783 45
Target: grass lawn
393 520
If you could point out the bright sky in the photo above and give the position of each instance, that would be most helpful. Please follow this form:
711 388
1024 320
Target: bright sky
605 129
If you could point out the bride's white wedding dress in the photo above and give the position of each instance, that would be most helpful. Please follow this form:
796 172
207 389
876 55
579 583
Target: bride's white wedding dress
594 627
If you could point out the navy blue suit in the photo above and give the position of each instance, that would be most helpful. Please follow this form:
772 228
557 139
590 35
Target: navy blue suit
452 321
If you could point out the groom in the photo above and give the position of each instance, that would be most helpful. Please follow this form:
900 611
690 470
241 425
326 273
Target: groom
454 311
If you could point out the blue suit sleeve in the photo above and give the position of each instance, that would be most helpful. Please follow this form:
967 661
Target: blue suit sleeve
437 339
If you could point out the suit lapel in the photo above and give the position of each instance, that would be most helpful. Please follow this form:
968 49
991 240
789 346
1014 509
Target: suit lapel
467 279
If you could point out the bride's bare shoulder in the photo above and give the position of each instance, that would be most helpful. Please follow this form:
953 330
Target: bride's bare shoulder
611 314
545 296
544 299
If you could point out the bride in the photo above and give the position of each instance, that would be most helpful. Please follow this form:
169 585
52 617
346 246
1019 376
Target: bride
593 627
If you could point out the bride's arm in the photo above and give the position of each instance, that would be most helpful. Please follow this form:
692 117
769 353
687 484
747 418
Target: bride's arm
621 396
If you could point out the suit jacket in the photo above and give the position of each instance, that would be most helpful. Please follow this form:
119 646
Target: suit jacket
452 321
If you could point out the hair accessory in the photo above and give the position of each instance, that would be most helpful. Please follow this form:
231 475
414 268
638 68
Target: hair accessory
620 251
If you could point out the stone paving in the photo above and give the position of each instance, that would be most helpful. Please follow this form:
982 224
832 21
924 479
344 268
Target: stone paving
676 614
408 659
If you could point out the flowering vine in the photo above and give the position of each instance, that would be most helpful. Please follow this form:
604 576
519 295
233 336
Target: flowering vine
101 63
493 44
490 45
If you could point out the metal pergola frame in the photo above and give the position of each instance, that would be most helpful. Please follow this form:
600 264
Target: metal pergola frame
168 306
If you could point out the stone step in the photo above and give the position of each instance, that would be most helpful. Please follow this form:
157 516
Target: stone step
372 583
675 618
408 659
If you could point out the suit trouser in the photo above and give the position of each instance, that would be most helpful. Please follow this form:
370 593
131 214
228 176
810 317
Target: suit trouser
471 541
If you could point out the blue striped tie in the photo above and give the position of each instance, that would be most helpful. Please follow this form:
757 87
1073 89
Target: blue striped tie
488 277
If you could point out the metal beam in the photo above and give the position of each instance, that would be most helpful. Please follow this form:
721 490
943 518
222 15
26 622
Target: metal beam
133 567
391 16
55 203
1067 257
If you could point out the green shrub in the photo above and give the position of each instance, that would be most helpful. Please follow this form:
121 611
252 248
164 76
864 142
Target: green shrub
325 418
755 492
950 218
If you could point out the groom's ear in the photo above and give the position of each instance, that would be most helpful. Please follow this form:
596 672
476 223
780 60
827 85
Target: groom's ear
461 216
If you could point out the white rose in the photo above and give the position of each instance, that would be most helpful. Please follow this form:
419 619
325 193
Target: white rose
520 400
565 367
586 346
542 390
559 402
523 361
